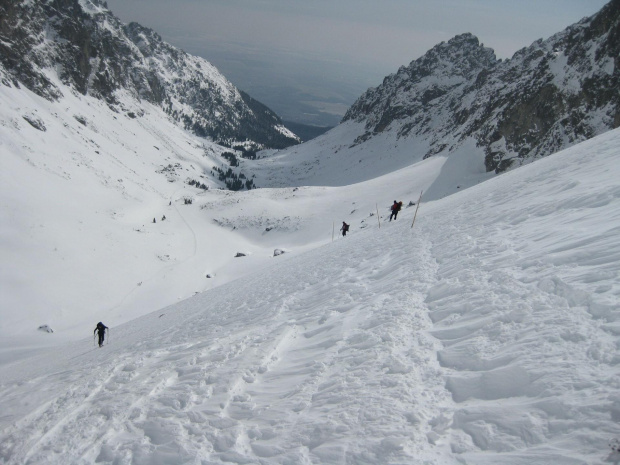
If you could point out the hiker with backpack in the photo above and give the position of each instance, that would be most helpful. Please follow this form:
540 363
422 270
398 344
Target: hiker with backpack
344 229
396 206
100 330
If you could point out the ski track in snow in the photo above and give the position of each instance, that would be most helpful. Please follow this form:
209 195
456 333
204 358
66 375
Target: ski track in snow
162 271
526 318
294 385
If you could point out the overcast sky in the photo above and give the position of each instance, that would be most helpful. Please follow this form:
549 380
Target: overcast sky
282 49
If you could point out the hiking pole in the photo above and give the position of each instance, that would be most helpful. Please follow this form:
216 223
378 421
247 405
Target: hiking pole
416 209
377 206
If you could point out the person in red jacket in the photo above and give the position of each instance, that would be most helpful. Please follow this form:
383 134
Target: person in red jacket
396 206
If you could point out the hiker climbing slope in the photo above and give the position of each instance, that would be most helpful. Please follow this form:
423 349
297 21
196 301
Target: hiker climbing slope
100 330
396 206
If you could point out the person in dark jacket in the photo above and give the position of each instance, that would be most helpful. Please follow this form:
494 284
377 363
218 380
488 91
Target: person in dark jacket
345 228
396 206
100 330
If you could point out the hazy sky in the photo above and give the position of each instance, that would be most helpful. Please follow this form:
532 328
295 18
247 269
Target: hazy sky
305 58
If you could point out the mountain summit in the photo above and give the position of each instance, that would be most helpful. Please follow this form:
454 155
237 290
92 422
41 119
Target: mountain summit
548 96
413 99
81 44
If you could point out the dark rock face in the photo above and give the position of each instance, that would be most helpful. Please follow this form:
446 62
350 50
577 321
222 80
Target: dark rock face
551 95
16 43
92 52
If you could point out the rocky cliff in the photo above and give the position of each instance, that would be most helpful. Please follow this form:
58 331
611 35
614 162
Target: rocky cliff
80 44
548 96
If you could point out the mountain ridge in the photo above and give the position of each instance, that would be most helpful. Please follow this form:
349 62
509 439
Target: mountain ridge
94 53
552 94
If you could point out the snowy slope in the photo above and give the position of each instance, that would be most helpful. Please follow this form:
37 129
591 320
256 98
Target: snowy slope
80 186
77 199
333 159
82 179
488 333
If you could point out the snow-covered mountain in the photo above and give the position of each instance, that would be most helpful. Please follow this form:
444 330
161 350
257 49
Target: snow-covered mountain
486 115
82 45
243 327
487 334
548 96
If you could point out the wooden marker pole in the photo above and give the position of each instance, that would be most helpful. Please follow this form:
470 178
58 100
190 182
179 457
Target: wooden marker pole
377 205
416 208
333 229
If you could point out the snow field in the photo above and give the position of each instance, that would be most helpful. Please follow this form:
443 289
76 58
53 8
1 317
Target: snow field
109 178
485 334
110 175
527 310
294 384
